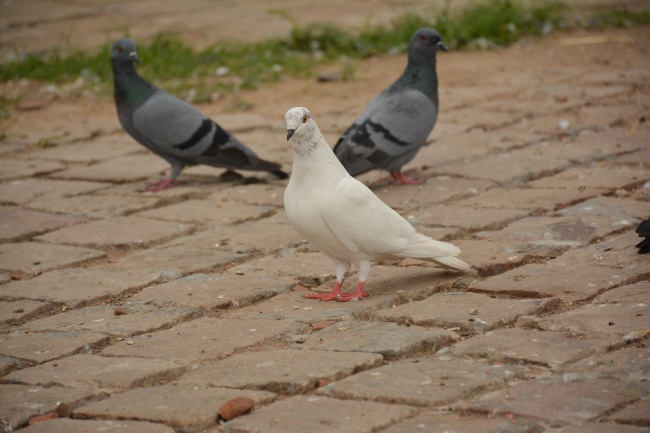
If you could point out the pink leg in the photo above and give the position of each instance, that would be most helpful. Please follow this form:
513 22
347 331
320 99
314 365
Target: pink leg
400 179
356 296
159 186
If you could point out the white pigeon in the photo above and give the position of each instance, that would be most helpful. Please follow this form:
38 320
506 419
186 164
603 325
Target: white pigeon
343 218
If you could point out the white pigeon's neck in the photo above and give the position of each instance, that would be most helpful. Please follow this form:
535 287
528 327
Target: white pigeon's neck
314 158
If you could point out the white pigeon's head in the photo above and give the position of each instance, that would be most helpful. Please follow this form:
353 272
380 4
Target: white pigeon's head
124 52
299 121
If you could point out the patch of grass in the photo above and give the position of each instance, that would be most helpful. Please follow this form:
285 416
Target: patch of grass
620 18
227 66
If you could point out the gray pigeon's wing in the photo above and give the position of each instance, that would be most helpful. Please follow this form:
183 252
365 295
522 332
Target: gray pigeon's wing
172 127
392 129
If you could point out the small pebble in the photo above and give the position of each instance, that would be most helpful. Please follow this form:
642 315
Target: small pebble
120 311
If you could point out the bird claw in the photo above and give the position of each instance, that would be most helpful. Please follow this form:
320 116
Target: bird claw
401 179
159 186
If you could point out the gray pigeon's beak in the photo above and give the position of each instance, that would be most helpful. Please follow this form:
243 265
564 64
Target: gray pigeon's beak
290 133
442 47
135 57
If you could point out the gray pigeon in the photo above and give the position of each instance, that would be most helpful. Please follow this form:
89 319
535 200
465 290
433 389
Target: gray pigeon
171 128
397 122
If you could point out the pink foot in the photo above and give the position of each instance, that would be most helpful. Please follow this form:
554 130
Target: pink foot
336 292
400 179
159 186
356 296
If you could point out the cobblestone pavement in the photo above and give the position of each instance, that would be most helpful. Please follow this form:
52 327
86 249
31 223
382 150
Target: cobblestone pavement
144 313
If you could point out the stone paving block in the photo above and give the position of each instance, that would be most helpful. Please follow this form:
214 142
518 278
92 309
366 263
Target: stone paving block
75 287
621 212
96 205
473 143
214 291
204 339
625 309
265 194
18 168
454 309
98 149
495 256
509 167
423 382
636 414
42 347
278 234
387 285
67 425
140 317
19 403
558 402
436 189
17 223
294 306
516 346
97 372
602 427
466 217
558 231
284 372
118 232
536 200
176 261
388 339
186 407
629 366
308 266
565 282
437 422
617 252
599 177
117 170
636 293
37 257
302 414
25 190
192 211
24 309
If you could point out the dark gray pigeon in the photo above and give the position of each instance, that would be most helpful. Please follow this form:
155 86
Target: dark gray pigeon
397 122
644 231
171 128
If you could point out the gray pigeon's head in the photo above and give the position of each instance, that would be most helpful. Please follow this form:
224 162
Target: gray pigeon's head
124 52
425 42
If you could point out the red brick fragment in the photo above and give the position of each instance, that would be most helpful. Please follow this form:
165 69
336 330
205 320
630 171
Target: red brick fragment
120 311
236 407
41 418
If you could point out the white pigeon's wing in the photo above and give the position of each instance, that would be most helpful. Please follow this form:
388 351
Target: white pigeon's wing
173 126
365 224
394 125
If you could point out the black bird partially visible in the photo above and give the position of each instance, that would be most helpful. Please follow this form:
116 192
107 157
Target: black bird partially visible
644 231
172 128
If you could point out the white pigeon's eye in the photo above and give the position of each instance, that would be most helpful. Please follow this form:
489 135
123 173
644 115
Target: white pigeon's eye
304 119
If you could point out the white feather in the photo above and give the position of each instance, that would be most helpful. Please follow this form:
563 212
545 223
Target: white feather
342 217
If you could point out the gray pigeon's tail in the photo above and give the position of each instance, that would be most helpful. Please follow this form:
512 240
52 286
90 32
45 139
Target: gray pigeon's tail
280 174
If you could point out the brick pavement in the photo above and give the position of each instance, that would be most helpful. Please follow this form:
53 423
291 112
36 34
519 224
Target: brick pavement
552 337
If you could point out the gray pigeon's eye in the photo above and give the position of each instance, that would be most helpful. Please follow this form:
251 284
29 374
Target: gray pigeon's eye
119 48
304 119
423 38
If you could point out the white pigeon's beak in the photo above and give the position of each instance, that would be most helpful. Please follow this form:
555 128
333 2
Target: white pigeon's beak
135 57
290 132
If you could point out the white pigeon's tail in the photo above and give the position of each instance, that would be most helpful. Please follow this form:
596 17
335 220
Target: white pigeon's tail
424 248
